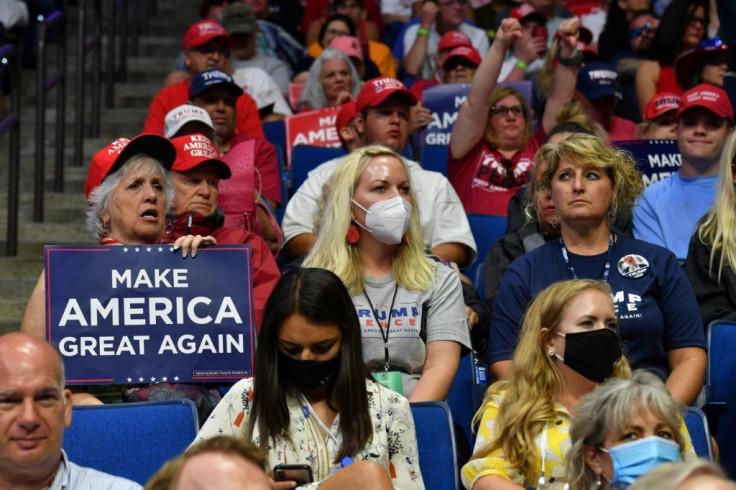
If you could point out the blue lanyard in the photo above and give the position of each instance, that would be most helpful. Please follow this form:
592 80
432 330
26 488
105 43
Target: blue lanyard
606 269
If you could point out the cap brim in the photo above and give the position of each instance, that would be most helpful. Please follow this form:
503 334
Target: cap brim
685 64
153 145
400 94
237 91
719 111
223 170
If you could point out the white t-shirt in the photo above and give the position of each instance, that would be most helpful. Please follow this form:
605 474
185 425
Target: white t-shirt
478 37
264 90
441 213
279 71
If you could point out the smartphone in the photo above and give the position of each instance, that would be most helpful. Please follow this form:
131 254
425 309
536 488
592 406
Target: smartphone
541 33
300 473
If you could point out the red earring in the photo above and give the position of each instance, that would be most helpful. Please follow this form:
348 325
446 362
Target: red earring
353 235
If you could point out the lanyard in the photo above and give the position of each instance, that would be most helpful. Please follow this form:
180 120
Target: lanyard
606 269
388 325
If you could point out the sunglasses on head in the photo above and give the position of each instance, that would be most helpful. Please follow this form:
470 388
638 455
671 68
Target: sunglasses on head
638 31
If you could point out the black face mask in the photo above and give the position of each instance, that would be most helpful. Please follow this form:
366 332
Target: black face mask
308 374
592 354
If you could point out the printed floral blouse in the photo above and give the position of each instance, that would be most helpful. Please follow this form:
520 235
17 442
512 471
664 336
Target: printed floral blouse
394 443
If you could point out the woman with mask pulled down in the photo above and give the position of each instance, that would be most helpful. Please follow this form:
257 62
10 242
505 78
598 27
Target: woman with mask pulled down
624 429
658 319
312 400
410 307
568 344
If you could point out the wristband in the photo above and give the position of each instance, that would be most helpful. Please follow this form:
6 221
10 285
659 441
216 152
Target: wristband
521 64
422 31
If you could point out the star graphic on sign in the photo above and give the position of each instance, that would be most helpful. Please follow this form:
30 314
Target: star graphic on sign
160 249
153 380
148 249
140 380
125 249
176 378
137 249
130 380
164 379
171 249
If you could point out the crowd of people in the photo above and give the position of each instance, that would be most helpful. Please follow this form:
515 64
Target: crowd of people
595 301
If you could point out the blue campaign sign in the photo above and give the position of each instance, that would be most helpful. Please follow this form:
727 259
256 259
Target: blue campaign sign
143 314
656 159
444 102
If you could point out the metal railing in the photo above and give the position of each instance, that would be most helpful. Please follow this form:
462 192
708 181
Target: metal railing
9 60
44 85
83 47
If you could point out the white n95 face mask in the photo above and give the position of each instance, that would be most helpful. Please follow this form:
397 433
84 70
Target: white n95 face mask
387 220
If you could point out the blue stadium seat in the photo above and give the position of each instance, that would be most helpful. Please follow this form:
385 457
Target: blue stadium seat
132 440
466 395
434 157
697 426
436 442
720 382
486 230
306 158
275 132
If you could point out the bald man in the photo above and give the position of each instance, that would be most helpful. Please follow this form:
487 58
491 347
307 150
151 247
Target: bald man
35 408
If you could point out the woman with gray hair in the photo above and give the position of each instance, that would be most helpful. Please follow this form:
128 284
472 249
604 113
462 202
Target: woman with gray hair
129 192
332 81
689 475
623 429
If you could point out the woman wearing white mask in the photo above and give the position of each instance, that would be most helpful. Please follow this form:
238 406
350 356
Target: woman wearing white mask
410 308
622 430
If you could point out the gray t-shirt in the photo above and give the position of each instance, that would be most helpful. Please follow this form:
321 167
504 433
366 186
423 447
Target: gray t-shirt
418 317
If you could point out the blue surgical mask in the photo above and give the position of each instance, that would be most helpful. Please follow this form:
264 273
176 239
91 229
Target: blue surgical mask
633 459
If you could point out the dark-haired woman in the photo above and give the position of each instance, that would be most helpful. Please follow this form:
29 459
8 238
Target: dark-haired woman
682 27
313 400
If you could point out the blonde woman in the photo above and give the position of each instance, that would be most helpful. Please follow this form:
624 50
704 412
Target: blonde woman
622 430
590 184
410 308
696 474
568 344
711 258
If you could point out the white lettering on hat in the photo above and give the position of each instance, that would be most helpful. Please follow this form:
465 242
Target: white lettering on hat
117 145
706 95
216 75
602 75
666 100
387 83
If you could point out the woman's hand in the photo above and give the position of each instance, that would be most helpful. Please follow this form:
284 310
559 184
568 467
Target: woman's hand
569 32
429 13
508 33
420 117
193 242
343 97
282 485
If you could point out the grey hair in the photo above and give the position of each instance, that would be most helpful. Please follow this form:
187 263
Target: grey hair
609 407
313 95
669 476
101 197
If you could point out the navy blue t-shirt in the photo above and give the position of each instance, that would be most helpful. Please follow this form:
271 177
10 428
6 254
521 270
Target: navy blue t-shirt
654 302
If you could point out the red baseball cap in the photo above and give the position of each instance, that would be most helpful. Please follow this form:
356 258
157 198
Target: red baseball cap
709 97
377 90
712 50
661 104
110 158
195 149
203 32
464 52
452 40
346 114
527 12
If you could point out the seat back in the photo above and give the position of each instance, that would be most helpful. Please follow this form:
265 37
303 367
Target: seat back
697 426
434 157
304 159
132 440
275 133
720 378
486 229
436 442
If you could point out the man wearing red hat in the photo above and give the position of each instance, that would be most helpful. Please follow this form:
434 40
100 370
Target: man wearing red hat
206 46
421 41
526 55
668 211
196 174
382 116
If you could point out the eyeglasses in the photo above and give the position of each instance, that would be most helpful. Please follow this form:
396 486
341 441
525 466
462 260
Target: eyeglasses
502 110
638 31
450 3
211 48
691 19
